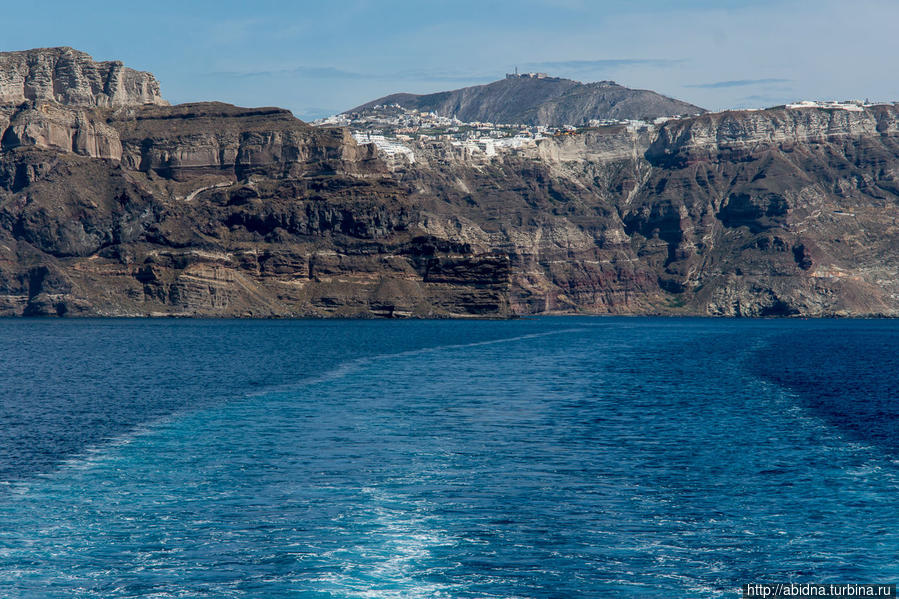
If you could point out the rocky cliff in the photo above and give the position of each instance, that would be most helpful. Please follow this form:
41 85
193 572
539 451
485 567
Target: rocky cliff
214 210
550 101
72 78
776 212
745 133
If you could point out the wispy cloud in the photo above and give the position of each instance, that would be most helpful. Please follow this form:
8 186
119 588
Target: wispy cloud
334 73
302 71
308 113
605 64
455 75
762 100
440 75
737 83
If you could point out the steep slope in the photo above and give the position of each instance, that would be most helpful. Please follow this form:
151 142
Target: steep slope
767 213
211 210
214 210
541 101
777 212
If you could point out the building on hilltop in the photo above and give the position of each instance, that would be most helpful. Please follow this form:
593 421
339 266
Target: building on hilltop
517 75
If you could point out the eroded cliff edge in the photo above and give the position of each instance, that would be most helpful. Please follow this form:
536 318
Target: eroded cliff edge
138 208
73 78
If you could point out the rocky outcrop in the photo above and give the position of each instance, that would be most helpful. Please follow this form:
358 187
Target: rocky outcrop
49 126
550 101
731 135
214 137
73 78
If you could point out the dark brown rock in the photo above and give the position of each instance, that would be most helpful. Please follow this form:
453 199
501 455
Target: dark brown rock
214 210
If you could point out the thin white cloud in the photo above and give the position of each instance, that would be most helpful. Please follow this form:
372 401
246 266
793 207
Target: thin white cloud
736 83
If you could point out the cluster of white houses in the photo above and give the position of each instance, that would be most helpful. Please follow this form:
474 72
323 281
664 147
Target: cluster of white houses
850 105
391 148
395 130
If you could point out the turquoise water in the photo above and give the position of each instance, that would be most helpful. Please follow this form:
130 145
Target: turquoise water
569 457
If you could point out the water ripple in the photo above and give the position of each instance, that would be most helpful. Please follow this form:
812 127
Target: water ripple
560 457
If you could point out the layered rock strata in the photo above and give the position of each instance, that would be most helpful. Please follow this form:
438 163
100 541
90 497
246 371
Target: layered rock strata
73 78
214 210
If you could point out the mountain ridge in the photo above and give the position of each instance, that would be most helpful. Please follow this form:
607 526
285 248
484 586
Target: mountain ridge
548 101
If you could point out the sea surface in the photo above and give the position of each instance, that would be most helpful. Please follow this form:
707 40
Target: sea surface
554 457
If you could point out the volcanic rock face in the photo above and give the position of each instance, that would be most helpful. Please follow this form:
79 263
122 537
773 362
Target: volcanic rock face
72 78
213 210
732 135
212 137
49 126
777 212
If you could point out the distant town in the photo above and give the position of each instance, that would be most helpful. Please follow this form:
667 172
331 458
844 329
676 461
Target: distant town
397 131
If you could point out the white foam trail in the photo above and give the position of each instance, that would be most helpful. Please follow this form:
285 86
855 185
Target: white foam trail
391 569
91 455
356 364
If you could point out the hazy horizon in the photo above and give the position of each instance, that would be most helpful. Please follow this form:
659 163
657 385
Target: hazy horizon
318 60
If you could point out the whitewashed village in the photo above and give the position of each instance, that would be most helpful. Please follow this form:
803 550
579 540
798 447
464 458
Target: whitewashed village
399 133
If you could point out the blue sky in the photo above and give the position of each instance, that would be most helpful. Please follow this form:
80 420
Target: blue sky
318 58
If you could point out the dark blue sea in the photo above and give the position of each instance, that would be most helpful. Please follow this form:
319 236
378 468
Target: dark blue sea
556 457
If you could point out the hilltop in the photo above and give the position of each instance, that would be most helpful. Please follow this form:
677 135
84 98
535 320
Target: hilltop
541 100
